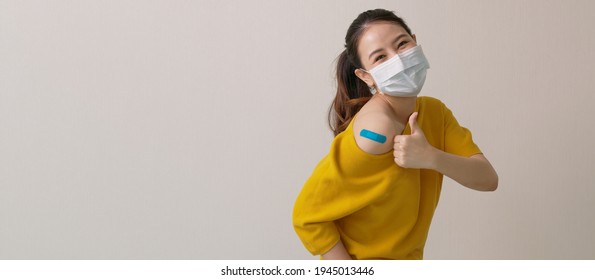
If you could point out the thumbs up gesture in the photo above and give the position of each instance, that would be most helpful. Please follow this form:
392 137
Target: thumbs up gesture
413 151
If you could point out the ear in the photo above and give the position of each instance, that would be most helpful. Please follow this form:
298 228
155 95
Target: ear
364 76
414 38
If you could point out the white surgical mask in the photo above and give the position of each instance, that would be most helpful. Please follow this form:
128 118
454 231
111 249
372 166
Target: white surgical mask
403 74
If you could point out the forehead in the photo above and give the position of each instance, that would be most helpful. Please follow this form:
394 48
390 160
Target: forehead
378 35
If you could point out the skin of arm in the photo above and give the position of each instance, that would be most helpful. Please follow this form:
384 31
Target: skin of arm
414 151
338 252
377 123
474 172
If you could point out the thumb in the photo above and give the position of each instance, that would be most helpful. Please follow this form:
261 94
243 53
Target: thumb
413 123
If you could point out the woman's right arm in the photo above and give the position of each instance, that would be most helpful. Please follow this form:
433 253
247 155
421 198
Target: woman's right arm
338 252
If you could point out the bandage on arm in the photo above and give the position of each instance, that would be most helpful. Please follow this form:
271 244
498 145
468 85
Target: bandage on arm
374 133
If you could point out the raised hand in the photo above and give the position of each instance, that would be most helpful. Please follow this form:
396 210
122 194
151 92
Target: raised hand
413 151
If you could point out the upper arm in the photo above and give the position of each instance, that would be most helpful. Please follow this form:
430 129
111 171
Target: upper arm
374 133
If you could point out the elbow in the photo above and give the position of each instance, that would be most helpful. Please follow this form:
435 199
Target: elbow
488 184
494 181
491 184
490 180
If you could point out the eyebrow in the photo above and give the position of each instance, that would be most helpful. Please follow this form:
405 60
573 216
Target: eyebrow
380 49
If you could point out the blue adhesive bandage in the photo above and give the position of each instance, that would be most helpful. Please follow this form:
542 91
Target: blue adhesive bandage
373 136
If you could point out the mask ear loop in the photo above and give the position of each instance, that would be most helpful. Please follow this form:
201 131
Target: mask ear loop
372 88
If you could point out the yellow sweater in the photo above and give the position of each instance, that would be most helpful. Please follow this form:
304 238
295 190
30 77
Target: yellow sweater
377 208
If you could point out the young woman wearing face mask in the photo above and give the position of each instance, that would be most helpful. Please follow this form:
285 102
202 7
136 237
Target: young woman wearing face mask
373 196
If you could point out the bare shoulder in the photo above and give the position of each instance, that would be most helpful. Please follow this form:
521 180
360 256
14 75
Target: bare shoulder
374 131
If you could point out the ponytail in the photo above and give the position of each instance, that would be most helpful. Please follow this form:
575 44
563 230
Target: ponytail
352 94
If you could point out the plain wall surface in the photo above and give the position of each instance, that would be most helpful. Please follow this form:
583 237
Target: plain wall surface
186 129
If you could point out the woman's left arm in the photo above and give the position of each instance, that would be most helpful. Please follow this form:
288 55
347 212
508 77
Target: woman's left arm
474 172
414 151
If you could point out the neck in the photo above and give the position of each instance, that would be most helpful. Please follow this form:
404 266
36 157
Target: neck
402 107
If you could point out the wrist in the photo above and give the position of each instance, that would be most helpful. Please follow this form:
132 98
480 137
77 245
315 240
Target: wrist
435 155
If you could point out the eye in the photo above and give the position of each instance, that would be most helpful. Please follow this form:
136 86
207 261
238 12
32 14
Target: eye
402 43
379 57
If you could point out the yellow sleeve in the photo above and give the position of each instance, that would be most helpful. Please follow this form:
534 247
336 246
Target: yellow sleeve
343 182
457 139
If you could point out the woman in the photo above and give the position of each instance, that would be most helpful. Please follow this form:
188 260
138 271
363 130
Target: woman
363 201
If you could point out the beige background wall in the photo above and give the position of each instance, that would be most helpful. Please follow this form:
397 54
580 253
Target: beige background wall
185 129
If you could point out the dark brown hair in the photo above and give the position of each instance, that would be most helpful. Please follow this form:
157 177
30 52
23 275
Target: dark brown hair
352 92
